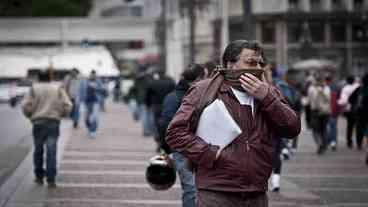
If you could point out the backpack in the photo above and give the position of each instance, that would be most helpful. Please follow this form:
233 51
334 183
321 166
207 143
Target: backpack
322 103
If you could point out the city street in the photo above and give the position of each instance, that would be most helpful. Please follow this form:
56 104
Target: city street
15 139
109 171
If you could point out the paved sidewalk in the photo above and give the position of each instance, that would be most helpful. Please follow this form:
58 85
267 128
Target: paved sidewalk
109 171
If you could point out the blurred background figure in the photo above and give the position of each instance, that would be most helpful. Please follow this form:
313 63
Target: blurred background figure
117 89
319 95
283 150
346 91
72 85
332 132
157 89
93 89
45 105
359 108
171 103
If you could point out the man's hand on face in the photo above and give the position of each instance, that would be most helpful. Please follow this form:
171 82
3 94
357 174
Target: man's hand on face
253 86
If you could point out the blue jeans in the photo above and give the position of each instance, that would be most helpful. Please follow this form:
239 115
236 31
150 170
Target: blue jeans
148 122
75 114
186 180
92 114
45 132
332 130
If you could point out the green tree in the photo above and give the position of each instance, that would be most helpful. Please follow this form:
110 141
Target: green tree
44 8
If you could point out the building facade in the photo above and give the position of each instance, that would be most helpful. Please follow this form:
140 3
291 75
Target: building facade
293 30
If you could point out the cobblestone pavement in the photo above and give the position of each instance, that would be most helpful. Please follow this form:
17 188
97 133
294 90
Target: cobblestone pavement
109 171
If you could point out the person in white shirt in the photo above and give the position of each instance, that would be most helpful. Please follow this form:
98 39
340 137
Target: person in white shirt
343 102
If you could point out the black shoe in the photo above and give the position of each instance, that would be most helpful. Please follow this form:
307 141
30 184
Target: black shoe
321 150
350 145
51 185
39 181
277 189
75 125
366 159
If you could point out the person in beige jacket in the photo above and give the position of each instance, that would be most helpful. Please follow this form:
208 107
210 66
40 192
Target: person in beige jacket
45 105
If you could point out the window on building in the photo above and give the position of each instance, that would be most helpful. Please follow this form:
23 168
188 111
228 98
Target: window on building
338 32
293 30
294 5
358 5
359 33
316 5
317 31
268 32
338 5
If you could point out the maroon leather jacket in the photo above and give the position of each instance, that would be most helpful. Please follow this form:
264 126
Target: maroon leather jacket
246 164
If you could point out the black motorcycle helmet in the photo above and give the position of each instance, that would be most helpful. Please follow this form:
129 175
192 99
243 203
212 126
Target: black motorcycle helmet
160 174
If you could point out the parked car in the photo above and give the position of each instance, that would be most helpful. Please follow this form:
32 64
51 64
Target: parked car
5 93
22 87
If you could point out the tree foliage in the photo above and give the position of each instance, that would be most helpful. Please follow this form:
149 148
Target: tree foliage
44 8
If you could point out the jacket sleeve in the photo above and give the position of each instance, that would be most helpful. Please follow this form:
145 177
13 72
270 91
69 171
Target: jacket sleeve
169 108
28 104
66 104
181 138
283 119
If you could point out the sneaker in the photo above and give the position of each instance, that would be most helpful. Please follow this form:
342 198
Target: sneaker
285 154
39 181
51 185
333 146
275 183
92 135
75 125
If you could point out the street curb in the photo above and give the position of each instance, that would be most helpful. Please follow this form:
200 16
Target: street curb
9 189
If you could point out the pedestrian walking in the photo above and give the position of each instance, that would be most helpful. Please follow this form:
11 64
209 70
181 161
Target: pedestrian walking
172 101
282 148
237 174
117 89
346 91
73 87
359 107
93 90
332 132
157 89
319 95
45 105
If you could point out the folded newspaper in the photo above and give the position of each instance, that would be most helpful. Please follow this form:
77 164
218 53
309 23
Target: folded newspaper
216 126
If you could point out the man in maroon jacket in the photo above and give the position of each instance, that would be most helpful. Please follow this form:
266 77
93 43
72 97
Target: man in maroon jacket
238 174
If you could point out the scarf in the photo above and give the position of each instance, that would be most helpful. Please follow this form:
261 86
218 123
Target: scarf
231 77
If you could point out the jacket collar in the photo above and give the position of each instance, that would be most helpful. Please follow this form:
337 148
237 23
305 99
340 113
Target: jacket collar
225 88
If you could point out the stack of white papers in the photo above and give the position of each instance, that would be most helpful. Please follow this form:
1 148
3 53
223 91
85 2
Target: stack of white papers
216 126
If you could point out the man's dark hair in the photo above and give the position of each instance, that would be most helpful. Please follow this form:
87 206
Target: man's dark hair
211 66
234 48
44 76
350 79
193 72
